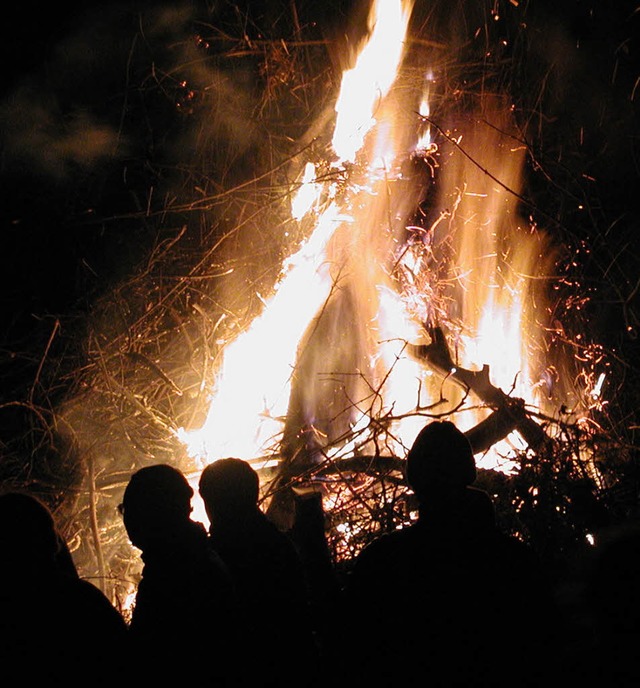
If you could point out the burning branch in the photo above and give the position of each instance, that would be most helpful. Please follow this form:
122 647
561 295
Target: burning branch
509 413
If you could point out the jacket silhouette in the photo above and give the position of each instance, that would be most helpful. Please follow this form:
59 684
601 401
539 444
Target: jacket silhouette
449 600
56 629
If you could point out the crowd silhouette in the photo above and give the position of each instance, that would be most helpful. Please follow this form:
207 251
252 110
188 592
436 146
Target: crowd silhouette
449 600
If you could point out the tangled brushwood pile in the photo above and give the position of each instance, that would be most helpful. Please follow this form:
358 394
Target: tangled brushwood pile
220 112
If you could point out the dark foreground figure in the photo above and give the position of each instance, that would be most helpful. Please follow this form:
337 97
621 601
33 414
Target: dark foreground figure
608 576
268 575
327 602
450 600
183 628
56 629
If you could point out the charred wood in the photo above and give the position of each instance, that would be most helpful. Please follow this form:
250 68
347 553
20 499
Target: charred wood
510 413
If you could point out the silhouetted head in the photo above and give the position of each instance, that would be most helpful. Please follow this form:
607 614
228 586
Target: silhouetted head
28 535
229 487
156 501
440 460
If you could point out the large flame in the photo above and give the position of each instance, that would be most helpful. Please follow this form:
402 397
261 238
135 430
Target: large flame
366 85
497 276
329 350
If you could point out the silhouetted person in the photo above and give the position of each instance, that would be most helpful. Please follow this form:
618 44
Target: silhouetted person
449 600
268 576
183 626
56 629
327 603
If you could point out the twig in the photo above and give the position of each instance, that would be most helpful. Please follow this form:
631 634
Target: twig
56 327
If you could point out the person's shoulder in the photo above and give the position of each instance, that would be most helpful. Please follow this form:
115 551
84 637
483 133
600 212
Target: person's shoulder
515 555
385 557
272 535
92 593
89 605
386 546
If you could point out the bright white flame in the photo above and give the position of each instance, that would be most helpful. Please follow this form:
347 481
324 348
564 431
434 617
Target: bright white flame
405 387
308 194
424 142
498 343
254 381
365 85
383 153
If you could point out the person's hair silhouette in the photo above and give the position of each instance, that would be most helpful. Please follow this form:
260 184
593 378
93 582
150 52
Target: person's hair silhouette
156 501
268 574
185 601
229 489
440 459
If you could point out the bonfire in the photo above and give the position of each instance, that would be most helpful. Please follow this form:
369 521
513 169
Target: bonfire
364 257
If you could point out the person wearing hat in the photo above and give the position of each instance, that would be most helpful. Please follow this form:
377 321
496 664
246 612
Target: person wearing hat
449 600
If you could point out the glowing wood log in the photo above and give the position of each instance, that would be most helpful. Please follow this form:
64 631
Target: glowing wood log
509 412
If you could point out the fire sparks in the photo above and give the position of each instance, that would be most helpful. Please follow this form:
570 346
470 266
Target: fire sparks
245 420
331 351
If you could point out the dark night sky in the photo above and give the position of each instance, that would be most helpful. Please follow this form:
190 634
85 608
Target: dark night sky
62 162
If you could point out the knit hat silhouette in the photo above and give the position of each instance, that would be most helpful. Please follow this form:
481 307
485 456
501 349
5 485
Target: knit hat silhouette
440 458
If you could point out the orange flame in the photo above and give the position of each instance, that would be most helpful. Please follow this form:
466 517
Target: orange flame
339 284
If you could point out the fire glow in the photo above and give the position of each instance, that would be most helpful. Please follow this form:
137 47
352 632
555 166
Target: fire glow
365 272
